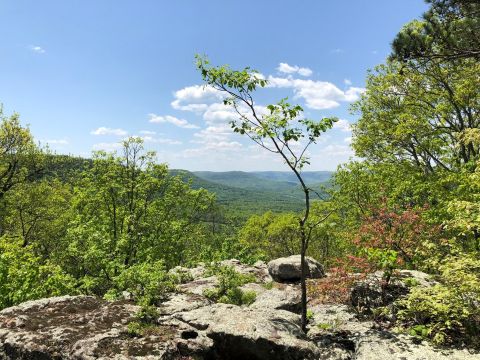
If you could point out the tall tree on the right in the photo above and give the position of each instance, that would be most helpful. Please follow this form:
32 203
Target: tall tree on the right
449 30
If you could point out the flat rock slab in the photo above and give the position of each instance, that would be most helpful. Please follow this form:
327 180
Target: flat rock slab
287 298
377 345
255 334
83 327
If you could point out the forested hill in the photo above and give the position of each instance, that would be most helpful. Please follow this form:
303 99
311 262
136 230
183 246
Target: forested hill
241 193
255 192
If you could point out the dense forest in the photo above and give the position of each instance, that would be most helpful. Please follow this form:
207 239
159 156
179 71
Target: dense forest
119 221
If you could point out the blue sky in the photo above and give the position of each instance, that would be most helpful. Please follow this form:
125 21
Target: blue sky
86 74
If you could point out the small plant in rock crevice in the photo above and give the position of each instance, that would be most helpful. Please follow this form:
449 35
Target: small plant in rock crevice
145 322
228 289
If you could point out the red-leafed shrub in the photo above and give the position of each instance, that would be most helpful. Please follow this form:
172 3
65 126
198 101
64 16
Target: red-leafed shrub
401 232
335 288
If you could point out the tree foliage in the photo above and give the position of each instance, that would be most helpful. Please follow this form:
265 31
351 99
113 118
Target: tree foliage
276 129
449 30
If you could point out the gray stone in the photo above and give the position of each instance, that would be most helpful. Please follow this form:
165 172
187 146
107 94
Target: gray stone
369 293
178 302
259 269
287 297
191 327
83 327
198 286
378 345
245 333
288 269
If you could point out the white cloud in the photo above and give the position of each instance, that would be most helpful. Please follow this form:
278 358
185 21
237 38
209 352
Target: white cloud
157 119
150 139
219 113
337 51
288 69
195 98
213 133
109 131
337 150
317 94
353 93
347 82
348 140
107 146
342 125
37 49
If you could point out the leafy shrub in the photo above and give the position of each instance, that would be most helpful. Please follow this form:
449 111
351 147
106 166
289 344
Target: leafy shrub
228 289
268 285
181 275
447 313
411 282
393 238
24 276
146 320
148 282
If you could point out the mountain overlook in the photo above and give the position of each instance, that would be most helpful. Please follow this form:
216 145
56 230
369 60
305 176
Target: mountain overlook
255 192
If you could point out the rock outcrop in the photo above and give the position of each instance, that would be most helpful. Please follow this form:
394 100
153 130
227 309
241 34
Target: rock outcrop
288 269
83 327
368 293
190 326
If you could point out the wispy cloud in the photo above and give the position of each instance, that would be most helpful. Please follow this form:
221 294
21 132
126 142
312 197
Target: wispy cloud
151 139
182 123
318 95
109 131
342 125
107 146
289 69
37 49
195 98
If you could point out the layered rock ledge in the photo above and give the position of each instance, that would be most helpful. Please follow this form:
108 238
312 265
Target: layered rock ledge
190 326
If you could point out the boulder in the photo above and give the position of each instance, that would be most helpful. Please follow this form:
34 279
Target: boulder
246 333
287 297
198 286
336 317
369 293
288 269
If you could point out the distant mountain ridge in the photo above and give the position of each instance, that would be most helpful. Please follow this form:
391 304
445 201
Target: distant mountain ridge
242 193
255 192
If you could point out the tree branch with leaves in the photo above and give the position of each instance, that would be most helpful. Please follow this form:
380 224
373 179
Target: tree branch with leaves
279 129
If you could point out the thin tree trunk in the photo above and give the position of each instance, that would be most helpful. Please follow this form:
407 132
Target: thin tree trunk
303 283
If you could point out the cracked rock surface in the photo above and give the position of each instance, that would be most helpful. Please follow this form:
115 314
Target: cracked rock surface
192 327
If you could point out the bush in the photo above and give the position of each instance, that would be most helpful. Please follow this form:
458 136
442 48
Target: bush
24 276
146 320
447 313
336 287
228 289
147 282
